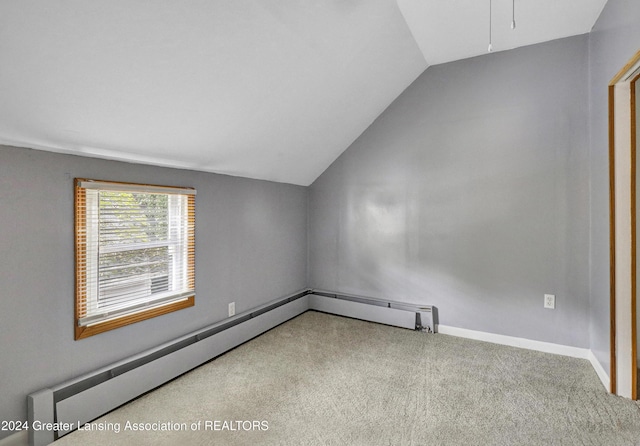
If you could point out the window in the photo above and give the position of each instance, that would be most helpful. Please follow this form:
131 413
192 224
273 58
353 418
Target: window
135 253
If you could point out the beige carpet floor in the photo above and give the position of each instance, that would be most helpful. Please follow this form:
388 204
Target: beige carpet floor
326 380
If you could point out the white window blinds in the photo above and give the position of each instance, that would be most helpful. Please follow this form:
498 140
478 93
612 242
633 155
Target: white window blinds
134 248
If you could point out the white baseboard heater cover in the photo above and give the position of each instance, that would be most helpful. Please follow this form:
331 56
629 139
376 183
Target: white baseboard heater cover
90 396
411 316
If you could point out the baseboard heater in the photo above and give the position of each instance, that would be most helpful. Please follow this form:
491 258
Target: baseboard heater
400 314
90 396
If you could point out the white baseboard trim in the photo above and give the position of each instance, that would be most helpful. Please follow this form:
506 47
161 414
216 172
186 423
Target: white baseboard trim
18 439
546 347
602 373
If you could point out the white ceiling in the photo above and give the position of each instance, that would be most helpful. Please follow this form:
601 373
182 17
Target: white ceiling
268 89
457 29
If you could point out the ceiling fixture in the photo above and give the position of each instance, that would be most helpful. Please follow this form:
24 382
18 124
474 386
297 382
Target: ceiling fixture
490 46
513 20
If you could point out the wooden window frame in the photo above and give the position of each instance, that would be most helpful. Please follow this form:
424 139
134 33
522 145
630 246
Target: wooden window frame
84 331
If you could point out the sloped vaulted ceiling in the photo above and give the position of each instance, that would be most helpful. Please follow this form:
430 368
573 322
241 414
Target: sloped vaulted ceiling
269 89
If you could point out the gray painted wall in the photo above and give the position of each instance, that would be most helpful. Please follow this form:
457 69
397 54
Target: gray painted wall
250 248
473 192
470 193
614 40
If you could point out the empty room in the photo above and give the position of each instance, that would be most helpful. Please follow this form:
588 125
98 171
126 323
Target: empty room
340 222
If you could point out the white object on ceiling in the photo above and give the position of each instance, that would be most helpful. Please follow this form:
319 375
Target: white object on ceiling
269 89
457 29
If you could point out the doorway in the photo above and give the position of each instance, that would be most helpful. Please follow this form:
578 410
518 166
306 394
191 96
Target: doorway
623 122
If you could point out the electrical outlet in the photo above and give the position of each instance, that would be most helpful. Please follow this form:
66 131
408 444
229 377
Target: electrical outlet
550 301
232 309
